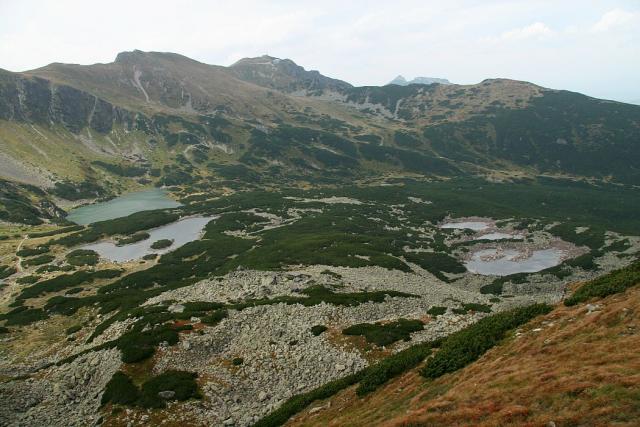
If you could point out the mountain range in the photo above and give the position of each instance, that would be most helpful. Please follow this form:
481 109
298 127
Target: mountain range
401 81
269 119
186 244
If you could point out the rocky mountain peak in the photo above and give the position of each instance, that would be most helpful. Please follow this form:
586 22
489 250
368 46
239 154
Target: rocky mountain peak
284 75
401 81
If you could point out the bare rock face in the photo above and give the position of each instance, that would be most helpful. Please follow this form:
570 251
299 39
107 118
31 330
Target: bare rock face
37 100
401 81
67 395
284 75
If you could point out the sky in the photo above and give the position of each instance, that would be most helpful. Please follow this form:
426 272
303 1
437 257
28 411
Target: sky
589 46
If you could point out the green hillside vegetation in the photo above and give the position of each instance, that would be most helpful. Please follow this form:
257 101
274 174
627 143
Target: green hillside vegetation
384 334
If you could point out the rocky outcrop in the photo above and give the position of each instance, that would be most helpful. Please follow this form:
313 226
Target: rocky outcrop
67 395
284 75
37 100
401 81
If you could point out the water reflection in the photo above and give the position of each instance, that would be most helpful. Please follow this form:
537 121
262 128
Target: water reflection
492 262
124 205
183 231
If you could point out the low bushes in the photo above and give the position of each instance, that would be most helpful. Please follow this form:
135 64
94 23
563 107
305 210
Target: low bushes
120 390
609 284
299 402
394 365
437 263
6 271
52 268
126 225
369 378
467 345
23 316
65 281
81 257
318 329
135 237
593 237
140 345
77 191
39 260
27 280
482 308
57 231
586 261
32 251
436 311
497 285
121 169
182 384
383 334
215 317
73 329
161 244
318 294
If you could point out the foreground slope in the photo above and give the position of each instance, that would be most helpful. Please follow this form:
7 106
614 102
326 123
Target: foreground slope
578 365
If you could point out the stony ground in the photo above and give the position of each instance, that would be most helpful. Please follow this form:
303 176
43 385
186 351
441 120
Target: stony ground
576 366
280 356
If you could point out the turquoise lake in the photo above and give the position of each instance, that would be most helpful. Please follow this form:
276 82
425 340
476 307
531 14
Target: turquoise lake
124 205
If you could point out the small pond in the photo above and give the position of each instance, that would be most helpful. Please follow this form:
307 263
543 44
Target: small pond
471 225
183 231
124 205
499 236
489 262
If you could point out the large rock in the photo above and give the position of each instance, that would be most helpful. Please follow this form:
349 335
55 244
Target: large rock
167 394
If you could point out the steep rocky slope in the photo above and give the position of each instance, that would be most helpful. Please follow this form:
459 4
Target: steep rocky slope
577 365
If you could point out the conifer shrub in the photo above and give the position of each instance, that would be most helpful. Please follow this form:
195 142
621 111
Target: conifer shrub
318 329
437 311
182 383
39 260
215 317
609 284
464 347
120 390
161 244
80 257
383 334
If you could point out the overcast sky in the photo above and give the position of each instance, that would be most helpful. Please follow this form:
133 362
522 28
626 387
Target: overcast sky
587 46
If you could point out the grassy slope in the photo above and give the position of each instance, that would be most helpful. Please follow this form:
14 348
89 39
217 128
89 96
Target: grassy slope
63 154
578 369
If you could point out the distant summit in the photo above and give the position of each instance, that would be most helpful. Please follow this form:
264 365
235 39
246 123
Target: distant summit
401 81
284 75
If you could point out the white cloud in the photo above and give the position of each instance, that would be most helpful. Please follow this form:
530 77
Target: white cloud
537 30
613 19
571 44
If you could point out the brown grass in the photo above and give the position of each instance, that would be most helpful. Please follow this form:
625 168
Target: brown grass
580 369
